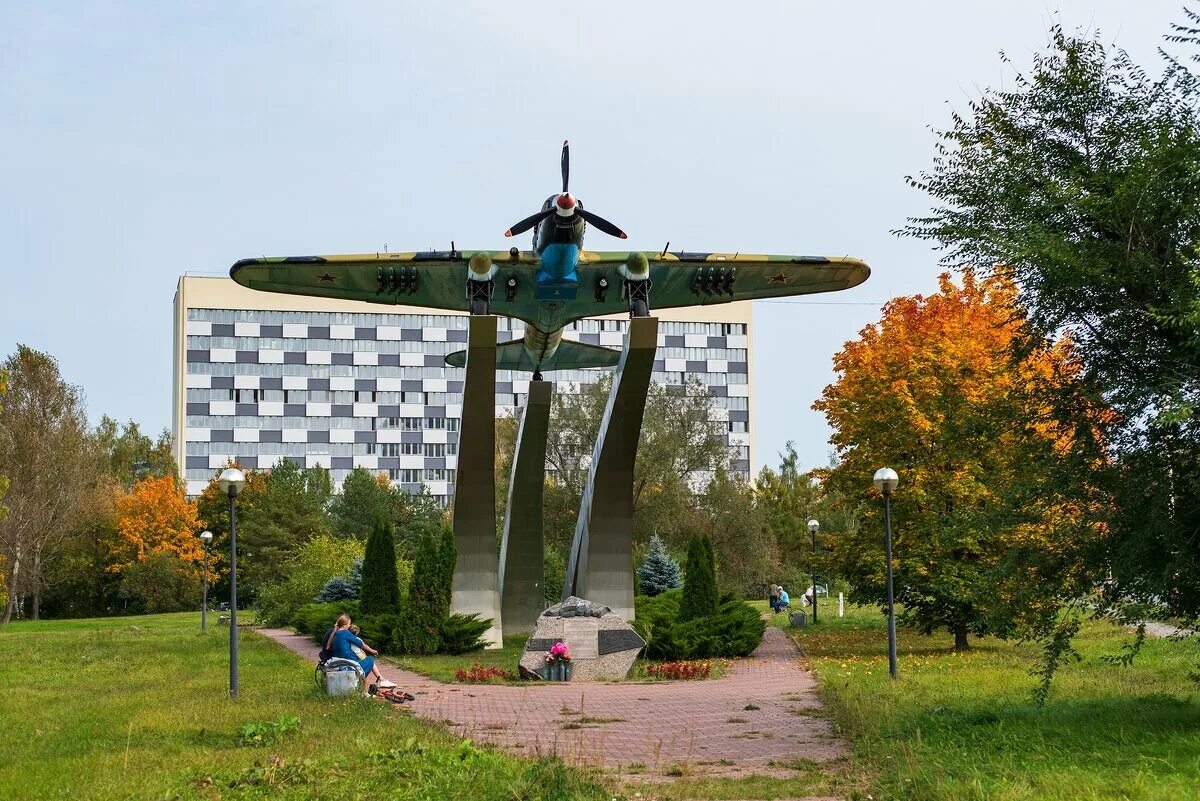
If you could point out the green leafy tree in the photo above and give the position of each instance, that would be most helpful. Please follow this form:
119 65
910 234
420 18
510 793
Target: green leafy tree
700 596
161 582
681 442
660 572
1079 182
51 461
132 455
365 498
289 513
380 586
787 498
307 571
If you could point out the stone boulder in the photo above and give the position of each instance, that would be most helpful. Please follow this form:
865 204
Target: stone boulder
603 646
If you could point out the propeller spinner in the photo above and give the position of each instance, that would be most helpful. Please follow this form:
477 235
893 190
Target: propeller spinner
565 205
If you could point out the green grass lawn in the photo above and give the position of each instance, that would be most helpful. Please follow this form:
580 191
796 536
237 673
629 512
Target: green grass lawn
963 726
139 708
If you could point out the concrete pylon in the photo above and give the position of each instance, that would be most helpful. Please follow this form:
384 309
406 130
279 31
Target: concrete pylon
522 588
476 575
601 565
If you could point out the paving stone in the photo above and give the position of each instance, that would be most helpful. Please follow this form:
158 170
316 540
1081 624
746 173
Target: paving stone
653 725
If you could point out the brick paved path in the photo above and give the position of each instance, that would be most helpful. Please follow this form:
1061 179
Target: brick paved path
616 725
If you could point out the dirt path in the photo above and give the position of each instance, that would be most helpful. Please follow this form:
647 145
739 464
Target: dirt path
758 717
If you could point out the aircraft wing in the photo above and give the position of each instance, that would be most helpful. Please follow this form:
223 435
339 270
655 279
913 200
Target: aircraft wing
435 279
702 279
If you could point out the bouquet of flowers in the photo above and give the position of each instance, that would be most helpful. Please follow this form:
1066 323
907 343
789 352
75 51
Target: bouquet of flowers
559 653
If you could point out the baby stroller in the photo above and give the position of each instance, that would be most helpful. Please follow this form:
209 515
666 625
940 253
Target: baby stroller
337 677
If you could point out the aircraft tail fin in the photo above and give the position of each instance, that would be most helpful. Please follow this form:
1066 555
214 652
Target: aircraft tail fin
567 356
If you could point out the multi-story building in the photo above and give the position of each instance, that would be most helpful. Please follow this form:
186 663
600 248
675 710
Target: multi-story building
261 377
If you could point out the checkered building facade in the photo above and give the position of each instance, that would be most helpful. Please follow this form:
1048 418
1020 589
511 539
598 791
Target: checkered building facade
346 385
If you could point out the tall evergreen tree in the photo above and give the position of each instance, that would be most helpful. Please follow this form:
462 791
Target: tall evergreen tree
660 572
380 586
700 597
429 595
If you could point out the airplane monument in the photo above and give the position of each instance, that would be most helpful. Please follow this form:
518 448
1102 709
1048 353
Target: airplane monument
549 286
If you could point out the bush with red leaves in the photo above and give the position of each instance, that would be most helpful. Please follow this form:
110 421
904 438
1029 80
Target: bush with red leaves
477 674
695 669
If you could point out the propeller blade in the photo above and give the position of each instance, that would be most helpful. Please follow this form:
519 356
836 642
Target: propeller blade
566 165
601 223
530 221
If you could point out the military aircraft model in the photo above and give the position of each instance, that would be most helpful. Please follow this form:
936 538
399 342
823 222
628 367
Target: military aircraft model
552 285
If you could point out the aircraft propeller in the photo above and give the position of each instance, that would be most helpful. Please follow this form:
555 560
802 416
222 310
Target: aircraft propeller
566 202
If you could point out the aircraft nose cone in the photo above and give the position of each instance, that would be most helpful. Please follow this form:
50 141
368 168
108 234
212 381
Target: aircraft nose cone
566 202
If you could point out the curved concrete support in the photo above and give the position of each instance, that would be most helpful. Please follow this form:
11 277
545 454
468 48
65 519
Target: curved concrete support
522 589
601 565
476 580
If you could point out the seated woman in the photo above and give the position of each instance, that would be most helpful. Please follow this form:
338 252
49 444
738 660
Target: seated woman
342 643
784 599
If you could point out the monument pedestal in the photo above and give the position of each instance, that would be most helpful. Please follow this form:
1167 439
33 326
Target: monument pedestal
602 645
522 588
601 564
476 573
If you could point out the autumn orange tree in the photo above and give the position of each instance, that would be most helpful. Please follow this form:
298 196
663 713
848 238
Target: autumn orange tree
153 518
995 439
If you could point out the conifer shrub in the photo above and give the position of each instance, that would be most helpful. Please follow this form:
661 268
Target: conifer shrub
660 572
343 588
313 619
380 585
735 629
429 595
463 633
700 596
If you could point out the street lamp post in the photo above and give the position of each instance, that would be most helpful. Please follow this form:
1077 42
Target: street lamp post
813 525
206 538
886 481
232 480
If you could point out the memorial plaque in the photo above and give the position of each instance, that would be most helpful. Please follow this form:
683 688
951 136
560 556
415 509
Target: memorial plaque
541 643
581 637
613 640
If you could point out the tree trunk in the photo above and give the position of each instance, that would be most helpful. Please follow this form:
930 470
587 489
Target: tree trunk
12 590
960 637
37 586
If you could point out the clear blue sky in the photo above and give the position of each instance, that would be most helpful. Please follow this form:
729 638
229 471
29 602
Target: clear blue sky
139 141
